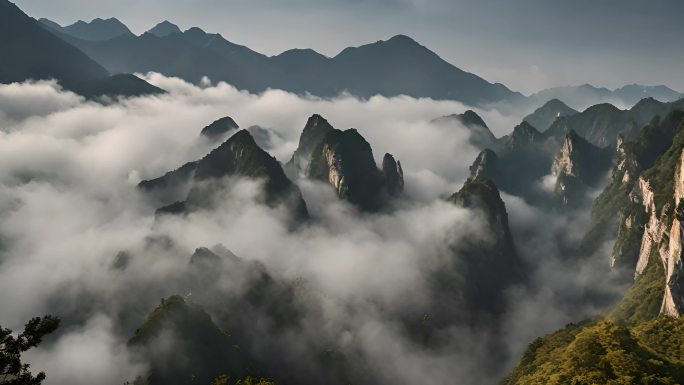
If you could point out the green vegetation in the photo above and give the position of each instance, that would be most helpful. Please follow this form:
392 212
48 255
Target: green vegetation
643 299
661 175
12 370
602 352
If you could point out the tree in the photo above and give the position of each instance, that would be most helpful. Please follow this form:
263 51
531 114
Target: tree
12 370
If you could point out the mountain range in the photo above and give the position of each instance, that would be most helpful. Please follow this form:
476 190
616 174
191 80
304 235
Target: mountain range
393 67
618 166
397 66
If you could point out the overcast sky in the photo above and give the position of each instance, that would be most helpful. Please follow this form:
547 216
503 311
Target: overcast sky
525 44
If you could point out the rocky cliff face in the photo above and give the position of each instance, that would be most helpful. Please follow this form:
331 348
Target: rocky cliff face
344 159
622 198
578 166
315 130
658 195
488 267
486 165
393 175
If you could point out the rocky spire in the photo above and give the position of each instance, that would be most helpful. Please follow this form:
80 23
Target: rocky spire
394 175
315 130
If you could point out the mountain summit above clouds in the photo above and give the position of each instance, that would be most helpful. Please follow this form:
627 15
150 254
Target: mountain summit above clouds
397 66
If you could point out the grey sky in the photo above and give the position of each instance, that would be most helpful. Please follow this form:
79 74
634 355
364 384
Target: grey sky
525 44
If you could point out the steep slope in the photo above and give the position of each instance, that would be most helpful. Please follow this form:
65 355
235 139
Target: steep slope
315 130
30 51
239 156
578 166
600 124
393 175
617 199
97 29
601 352
486 165
484 269
345 160
185 327
523 158
171 187
543 117
481 136
402 66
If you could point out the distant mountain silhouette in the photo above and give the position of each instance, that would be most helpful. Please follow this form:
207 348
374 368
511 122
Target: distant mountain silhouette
164 28
580 97
98 29
38 50
398 66
29 51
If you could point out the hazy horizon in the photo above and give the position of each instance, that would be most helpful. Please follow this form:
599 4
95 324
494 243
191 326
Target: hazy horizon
527 48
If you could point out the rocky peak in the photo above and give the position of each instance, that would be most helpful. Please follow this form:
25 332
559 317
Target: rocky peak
481 136
314 131
523 136
219 128
345 160
486 268
578 166
239 156
393 174
579 158
485 165
482 194
164 28
543 117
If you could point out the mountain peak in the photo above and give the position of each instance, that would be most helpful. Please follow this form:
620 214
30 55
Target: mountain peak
402 38
314 131
220 127
543 117
97 29
164 28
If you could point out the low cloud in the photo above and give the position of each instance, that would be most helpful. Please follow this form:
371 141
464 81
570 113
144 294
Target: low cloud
69 205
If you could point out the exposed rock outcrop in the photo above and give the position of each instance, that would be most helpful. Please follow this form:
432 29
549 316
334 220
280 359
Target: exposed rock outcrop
486 165
622 198
578 166
658 194
345 160
393 175
315 130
